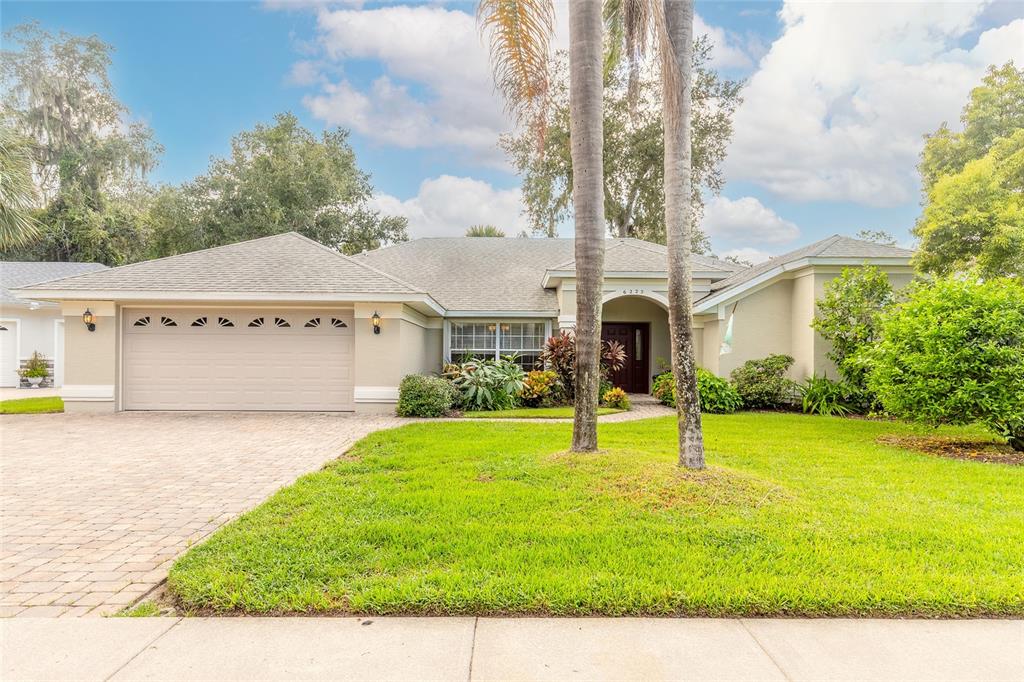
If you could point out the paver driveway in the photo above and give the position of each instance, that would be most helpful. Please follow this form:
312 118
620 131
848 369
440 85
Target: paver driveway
96 507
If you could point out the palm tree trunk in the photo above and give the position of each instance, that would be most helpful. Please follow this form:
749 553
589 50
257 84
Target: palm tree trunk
677 54
586 62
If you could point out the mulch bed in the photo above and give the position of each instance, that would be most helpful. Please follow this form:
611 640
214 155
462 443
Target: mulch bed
957 448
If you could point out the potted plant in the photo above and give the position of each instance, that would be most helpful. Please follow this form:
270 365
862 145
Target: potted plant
35 370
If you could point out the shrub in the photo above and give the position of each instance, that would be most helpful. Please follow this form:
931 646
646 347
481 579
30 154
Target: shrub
848 317
717 395
559 355
763 383
664 389
821 395
540 388
953 353
615 397
487 384
423 396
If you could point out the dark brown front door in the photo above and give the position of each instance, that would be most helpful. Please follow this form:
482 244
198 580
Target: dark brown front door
634 377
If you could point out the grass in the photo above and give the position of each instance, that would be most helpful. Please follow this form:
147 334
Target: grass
564 412
31 405
146 609
797 515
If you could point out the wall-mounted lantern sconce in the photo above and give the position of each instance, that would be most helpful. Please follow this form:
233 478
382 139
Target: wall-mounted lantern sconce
89 319
376 322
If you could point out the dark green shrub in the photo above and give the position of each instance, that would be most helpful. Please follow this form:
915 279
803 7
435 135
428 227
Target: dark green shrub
487 384
423 396
953 353
717 395
821 395
762 383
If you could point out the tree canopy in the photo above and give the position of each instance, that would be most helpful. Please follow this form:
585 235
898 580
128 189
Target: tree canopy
973 181
279 178
633 150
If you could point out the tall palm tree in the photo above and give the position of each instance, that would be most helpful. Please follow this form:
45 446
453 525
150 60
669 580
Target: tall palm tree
17 191
630 25
520 33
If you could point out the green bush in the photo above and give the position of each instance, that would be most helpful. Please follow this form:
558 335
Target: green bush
423 396
487 384
821 395
848 318
953 353
762 383
615 397
717 395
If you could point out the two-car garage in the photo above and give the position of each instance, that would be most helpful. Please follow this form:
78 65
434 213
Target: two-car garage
237 359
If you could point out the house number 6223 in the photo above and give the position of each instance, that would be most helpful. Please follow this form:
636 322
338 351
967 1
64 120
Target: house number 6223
633 291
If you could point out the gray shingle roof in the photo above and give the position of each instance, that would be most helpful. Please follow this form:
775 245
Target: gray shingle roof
284 263
14 274
505 274
835 246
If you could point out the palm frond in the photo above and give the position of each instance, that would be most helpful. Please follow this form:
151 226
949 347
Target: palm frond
519 33
17 191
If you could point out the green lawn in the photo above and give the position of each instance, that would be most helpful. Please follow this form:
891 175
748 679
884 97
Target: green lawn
797 515
564 412
31 405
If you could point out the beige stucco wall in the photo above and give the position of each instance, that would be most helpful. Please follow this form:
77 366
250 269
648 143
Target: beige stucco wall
90 357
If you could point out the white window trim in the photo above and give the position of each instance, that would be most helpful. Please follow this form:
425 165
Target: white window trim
447 336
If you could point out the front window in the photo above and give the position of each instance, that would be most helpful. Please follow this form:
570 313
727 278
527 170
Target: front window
525 340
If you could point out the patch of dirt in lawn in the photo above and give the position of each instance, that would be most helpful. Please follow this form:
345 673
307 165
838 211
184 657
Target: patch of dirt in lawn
660 487
949 447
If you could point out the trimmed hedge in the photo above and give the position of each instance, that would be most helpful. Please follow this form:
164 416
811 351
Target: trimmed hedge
423 396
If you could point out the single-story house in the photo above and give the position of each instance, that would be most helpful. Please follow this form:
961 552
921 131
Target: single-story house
28 326
284 323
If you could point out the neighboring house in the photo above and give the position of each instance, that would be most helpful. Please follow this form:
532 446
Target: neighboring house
27 326
284 323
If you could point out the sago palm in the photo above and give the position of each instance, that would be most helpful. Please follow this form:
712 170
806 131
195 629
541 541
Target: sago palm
520 34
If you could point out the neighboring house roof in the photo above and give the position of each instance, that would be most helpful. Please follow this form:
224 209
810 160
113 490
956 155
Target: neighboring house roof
14 274
836 247
281 264
497 274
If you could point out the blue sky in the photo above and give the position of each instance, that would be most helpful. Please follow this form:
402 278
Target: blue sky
837 100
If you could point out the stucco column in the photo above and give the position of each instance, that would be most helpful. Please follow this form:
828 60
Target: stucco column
378 357
90 357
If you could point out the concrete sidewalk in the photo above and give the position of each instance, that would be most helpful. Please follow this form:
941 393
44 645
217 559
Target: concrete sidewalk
509 649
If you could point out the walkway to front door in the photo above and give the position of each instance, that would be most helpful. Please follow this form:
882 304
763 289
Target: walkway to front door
635 337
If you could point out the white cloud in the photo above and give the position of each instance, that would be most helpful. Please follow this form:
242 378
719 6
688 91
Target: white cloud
837 107
749 255
446 206
746 220
304 73
435 88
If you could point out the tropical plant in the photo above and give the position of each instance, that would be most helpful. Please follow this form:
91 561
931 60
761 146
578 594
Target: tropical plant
487 384
847 317
664 389
541 388
35 367
484 231
615 397
821 395
762 383
520 32
953 353
559 354
17 191
425 396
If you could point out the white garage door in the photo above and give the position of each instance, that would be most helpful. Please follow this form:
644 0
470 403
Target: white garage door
8 353
231 359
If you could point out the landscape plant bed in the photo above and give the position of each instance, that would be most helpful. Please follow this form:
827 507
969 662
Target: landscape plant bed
32 405
564 412
970 449
797 515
